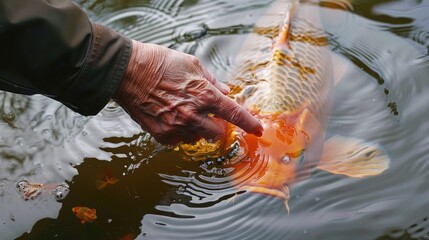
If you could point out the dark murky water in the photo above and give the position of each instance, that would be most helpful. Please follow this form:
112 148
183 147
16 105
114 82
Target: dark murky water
384 98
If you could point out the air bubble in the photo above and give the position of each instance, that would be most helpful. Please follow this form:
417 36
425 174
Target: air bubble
112 106
61 191
22 185
33 123
9 117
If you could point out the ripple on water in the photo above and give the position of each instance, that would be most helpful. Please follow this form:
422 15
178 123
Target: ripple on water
323 206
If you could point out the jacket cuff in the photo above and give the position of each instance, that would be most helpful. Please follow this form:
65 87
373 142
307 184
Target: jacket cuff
104 67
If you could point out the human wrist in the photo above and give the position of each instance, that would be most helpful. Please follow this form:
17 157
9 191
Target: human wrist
141 75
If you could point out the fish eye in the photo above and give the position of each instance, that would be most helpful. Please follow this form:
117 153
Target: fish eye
285 159
296 156
370 154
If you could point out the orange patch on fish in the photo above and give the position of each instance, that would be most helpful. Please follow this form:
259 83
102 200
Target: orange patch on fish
85 214
284 76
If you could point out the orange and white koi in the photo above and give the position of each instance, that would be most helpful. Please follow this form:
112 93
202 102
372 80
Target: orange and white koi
284 76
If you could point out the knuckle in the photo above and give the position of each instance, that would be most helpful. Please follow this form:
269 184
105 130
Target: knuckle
208 97
194 60
185 116
156 132
235 116
200 124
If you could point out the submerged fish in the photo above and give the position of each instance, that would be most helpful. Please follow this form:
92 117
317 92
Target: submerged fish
102 184
284 76
85 214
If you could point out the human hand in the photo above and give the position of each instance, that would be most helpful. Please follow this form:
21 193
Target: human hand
170 94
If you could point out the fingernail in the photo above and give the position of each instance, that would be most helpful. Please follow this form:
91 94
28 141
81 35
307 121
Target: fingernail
225 88
258 133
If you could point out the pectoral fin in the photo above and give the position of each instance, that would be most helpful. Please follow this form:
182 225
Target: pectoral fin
353 157
308 123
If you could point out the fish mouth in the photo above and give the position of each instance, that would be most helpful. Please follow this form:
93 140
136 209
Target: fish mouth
284 195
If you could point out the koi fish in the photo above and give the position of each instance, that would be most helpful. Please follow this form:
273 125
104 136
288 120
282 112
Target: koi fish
284 76
85 214
102 184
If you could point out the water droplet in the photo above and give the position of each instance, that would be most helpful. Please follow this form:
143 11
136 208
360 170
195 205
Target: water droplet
84 133
61 191
109 220
317 199
33 123
112 106
79 121
47 133
18 141
34 148
9 117
21 185
191 34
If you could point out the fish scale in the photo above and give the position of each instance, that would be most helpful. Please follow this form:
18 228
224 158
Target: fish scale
284 78
284 74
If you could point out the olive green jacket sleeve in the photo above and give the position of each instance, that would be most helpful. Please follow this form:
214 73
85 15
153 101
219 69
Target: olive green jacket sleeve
50 47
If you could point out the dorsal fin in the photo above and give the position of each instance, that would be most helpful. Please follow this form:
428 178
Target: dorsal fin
286 26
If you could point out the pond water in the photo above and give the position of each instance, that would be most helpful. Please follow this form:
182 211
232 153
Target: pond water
383 98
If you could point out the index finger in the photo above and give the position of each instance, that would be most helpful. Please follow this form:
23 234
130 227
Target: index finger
232 112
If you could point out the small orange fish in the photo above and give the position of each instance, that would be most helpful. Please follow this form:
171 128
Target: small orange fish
102 184
85 214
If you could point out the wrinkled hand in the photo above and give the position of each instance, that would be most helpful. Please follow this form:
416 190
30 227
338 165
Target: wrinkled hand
170 95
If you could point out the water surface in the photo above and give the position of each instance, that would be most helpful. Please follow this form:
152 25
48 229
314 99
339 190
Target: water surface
383 98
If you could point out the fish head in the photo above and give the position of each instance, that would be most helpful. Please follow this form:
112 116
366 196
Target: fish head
75 210
274 158
286 152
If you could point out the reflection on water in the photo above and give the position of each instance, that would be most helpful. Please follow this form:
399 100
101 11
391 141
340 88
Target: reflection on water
158 195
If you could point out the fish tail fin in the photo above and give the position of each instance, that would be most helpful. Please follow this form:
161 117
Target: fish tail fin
353 157
113 180
100 184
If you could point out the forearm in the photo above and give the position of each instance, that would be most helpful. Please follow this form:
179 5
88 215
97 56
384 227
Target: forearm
51 48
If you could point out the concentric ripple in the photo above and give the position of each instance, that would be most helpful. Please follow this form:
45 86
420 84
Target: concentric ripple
382 98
